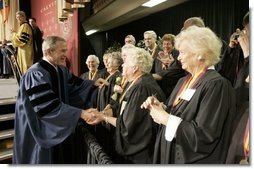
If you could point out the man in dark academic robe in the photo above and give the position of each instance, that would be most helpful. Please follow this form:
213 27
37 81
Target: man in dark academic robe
37 35
48 107
6 51
236 152
204 134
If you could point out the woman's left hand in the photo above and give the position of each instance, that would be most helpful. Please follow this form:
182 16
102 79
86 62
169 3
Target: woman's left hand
158 114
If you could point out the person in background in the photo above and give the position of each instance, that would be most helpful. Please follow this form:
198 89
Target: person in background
92 63
135 131
239 148
130 39
6 55
104 132
119 86
103 71
23 40
37 35
150 39
167 70
49 104
196 122
197 21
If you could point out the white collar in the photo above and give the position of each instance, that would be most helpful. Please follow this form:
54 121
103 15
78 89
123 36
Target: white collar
44 58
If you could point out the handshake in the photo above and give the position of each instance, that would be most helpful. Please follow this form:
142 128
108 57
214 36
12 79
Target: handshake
92 116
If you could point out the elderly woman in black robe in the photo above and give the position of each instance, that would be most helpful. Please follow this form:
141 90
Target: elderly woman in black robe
196 122
135 131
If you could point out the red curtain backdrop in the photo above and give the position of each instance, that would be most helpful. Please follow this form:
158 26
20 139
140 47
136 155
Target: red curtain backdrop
45 13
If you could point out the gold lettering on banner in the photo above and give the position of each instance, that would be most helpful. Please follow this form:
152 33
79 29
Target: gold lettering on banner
47 9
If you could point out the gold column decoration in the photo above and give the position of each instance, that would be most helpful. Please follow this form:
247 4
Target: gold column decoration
67 9
62 16
80 1
75 5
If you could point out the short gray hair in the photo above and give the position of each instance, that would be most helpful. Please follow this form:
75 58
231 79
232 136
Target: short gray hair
197 21
94 58
132 38
21 13
151 33
50 43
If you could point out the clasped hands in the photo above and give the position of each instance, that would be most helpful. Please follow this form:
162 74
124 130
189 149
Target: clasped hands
157 111
92 116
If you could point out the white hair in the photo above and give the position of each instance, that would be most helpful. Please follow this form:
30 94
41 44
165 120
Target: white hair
94 58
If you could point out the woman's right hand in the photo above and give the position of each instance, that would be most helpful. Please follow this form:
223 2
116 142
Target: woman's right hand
151 100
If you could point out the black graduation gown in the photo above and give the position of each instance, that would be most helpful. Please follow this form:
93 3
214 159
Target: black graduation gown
231 61
85 76
47 110
135 129
241 87
236 151
204 134
37 38
105 132
171 75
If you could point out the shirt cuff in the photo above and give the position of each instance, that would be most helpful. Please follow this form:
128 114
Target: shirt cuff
172 125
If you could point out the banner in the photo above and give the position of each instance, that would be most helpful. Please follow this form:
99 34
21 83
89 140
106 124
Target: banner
5 4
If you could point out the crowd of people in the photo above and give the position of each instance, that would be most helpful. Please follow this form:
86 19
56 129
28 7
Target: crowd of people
186 101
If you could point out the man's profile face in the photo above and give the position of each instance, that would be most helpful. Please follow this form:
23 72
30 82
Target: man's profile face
32 22
59 55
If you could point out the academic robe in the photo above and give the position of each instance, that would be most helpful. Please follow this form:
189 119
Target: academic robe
231 62
23 40
104 132
105 92
135 130
171 75
236 148
48 108
85 76
6 63
204 134
37 35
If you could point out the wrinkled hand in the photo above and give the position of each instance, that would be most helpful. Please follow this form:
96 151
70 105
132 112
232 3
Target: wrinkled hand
87 114
97 118
233 40
158 114
108 111
151 100
99 82
118 89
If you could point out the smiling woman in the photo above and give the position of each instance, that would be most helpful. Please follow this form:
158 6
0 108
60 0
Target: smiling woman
197 119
